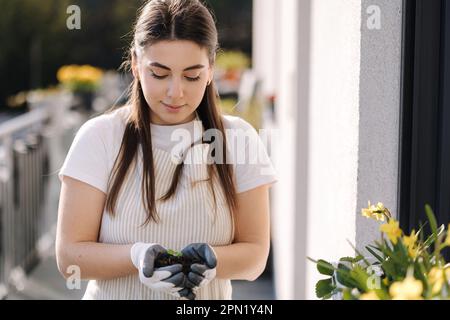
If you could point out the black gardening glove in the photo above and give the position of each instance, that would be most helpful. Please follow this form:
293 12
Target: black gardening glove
203 268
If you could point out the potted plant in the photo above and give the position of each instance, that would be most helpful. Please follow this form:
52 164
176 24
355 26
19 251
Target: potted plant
232 64
399 266
83 81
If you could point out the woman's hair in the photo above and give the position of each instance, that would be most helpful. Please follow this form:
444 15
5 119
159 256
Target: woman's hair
160 20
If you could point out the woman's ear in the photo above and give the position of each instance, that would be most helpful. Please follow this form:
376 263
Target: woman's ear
211 75
134 68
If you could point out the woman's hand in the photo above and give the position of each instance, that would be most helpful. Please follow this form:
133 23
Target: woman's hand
200 274
170 279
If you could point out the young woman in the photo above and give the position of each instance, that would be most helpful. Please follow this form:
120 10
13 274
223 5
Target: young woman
128 194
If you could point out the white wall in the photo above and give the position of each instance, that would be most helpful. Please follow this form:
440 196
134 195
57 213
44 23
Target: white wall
333 142
282 50
265 29
338 89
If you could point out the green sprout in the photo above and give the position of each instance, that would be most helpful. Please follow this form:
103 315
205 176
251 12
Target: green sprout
174 253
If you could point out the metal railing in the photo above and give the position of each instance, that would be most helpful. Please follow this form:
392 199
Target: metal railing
31 146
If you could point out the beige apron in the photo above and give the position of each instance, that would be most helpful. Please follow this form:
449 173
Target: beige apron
187 217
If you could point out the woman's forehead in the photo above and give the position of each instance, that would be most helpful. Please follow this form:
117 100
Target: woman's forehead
177 54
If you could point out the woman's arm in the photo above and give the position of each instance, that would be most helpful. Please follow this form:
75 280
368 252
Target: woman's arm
246 258
79 217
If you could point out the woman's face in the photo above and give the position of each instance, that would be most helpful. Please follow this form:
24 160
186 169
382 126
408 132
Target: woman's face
173 76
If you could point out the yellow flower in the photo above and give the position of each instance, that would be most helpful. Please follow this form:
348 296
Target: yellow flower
366 213
392 230
67 73
410 243
371 295
375 212
447 239
74 73
88 73
408 289
232 60
413 252
411 240
447 274
436 279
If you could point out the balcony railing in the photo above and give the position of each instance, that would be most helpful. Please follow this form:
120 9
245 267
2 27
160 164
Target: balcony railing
32 147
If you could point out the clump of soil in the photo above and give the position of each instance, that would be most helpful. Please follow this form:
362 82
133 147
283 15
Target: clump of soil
171 257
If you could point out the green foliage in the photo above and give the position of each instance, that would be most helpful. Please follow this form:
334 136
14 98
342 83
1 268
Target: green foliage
325 268
405 267
324 288
35 41
174 253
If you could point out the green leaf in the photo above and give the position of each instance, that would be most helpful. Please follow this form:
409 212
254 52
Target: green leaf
325 268
360 276
347 259
376 247
431 218
347 295
391 254
401 252
343 276
433 236
382 294
324 288
372 252
328 296
358 253
389 268
420 272
174 253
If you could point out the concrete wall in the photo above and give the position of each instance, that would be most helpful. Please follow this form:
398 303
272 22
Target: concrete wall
379 112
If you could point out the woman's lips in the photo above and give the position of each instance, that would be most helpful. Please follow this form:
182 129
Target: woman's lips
171 107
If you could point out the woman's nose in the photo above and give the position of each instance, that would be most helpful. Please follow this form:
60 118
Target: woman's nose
175 89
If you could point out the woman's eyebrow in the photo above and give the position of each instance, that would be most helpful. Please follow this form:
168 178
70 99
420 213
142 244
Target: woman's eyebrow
159 65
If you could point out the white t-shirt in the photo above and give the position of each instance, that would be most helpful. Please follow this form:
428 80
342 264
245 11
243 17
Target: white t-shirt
187 217
96 145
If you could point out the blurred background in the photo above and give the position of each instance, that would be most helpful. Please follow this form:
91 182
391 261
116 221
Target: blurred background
52 80
354 95
41 43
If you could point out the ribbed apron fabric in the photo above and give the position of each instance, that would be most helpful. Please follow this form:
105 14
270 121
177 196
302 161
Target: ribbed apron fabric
189 216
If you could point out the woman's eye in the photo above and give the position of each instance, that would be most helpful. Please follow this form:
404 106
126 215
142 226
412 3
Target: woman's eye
160 77
192 78
154 75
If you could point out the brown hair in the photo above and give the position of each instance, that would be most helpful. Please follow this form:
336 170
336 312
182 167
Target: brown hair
157 21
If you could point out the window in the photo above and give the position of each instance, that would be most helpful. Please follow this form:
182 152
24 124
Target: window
425 113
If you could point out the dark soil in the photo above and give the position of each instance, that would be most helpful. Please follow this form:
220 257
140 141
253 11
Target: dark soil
166 259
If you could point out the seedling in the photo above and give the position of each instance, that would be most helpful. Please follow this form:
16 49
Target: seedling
175 257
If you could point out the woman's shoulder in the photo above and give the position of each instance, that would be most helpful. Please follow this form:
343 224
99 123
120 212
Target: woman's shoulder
235 122
113 119
106 128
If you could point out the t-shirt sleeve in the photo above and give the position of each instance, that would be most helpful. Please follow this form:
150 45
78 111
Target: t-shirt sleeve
87 159
253 167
